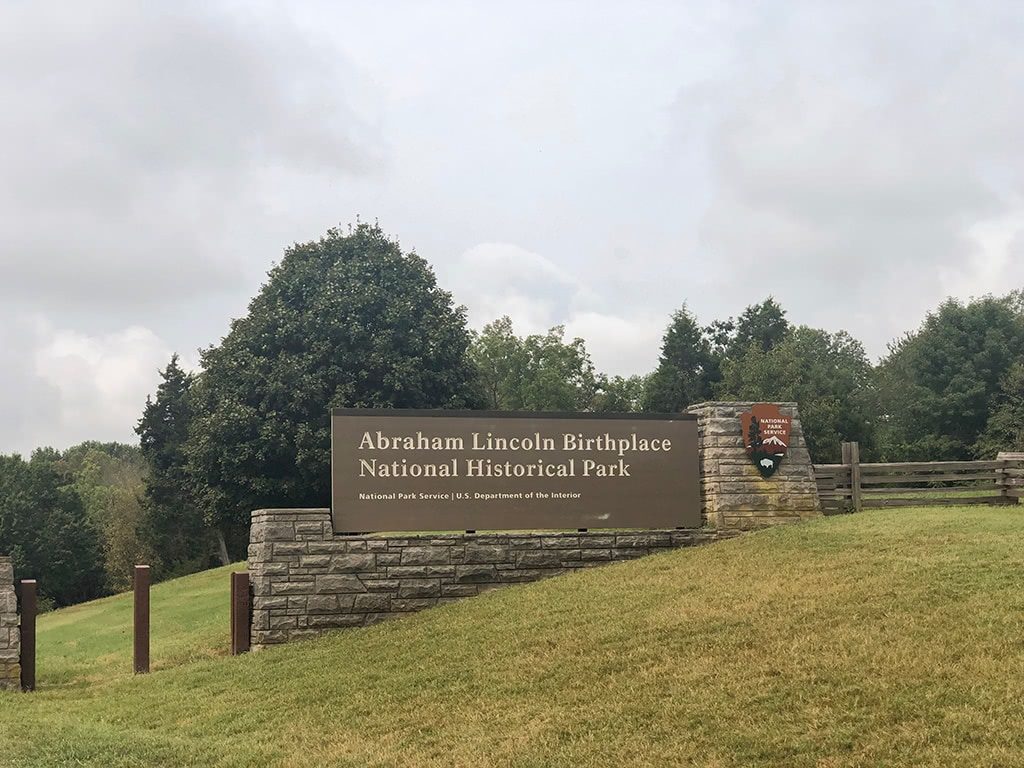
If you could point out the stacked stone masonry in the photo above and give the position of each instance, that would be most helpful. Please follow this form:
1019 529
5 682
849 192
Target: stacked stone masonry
10 632
734 496
305 579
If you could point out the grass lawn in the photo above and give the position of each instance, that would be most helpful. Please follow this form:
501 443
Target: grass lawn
886 638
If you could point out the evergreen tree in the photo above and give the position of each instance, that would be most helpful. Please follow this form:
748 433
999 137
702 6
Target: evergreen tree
763 325
754 434
687 369
173 521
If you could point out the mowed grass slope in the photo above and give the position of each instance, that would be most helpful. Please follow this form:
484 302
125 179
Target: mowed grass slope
92 642
884 638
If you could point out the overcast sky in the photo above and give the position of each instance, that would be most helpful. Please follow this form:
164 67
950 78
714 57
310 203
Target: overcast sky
588 164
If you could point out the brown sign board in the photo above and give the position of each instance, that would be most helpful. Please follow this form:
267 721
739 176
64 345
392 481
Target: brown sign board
423 470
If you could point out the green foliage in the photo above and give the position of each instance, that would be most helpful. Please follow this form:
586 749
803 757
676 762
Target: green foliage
938 385
1004 430
619 394
109 480
688 367
174 524
541 372
45 528
828 375
348 320
761 325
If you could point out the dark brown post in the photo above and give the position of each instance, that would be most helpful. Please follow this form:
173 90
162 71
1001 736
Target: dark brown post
29 609
851 457
141 650
240 613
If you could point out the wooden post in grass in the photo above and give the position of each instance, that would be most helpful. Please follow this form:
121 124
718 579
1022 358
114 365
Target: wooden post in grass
851 457
140 655
239 612
29 608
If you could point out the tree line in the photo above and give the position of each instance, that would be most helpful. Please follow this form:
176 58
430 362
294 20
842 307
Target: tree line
350 320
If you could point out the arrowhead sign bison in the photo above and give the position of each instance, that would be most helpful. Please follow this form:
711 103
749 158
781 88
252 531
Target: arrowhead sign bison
765 436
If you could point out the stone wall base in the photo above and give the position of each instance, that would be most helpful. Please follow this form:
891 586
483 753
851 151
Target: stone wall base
10 676
306 580
10 630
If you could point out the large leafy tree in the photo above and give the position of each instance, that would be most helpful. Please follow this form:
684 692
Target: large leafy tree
347 320
109 479
827 375
541 372
619 394
45 528
174 524
688 367
1004 430
938 385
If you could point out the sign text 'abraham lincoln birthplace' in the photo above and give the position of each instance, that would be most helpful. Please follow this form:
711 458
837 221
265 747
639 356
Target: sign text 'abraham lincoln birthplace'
407 470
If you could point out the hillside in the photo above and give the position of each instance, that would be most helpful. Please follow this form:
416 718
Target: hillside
885 638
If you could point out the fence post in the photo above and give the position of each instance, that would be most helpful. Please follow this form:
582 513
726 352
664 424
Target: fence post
1004 478
140 656
240 612
1011 475
29 605
851 457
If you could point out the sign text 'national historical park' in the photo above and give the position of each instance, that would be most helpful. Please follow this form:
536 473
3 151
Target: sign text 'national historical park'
400 470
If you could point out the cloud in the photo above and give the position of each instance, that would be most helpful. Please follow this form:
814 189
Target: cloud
496 279
141 141
76 386
618 345
995 259
857 162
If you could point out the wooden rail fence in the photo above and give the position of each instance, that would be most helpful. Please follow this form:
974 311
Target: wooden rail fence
852 486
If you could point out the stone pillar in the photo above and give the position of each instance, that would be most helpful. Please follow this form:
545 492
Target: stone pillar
734 496
10 632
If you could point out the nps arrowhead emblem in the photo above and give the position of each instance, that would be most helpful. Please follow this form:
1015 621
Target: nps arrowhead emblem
765 436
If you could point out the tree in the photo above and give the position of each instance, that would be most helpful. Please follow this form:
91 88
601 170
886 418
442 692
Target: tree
938 385
44 526
618 394
763 325
173 522
827 375
687 369
108 477
1004 430
348 320
541 372
501 363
